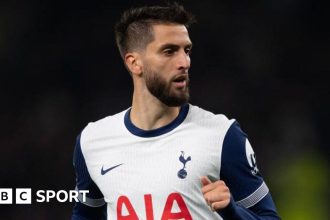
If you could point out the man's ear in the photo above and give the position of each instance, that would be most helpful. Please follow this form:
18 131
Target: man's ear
134 63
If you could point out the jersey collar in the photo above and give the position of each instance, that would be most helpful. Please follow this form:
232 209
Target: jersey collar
159 131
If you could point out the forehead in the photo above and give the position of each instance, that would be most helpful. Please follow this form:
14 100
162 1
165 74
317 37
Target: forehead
170 34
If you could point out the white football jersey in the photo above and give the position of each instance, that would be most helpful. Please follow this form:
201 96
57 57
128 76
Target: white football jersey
156 174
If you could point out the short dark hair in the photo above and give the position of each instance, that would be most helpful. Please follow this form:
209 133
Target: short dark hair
134 29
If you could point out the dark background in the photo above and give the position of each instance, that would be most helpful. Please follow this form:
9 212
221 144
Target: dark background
263 63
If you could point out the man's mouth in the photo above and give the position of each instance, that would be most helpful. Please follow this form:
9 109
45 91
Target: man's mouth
180 81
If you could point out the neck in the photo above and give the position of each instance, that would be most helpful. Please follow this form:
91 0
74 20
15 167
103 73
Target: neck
149 113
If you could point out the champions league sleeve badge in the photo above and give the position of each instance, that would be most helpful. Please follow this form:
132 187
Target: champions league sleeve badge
251 157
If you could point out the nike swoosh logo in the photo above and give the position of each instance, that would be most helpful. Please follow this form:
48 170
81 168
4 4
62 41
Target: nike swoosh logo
103 172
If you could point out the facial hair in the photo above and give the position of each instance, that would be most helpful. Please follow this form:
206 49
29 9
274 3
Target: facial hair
163 90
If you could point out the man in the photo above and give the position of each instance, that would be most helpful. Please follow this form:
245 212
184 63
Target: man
164 158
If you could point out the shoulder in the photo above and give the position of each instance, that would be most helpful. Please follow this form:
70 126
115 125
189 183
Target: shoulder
205 118
105 126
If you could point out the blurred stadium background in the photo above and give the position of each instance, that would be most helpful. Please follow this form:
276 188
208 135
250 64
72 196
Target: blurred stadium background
261 62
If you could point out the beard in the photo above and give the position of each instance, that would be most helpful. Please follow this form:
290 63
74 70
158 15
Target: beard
164 91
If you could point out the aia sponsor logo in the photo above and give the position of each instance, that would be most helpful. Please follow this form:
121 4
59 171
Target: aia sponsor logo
124 205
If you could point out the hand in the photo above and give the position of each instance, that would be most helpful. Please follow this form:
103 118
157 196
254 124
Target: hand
217 194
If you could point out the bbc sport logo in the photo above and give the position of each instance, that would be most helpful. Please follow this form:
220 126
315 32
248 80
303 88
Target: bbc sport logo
25 196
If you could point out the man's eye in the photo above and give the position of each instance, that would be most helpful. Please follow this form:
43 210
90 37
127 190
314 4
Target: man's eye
188 51
168 52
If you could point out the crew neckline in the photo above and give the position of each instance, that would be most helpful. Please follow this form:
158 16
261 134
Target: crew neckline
158 131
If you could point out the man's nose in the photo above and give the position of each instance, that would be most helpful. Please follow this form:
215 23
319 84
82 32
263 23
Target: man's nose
183 61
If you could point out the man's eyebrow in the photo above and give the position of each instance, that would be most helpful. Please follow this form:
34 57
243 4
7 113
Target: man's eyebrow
169 45
174 46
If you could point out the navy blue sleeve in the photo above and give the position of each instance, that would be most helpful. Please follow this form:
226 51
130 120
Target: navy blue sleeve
250 199
94 208
83 212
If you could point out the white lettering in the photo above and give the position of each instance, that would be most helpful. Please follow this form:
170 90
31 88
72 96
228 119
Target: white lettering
41 196
59 198
74 195
84 192
50 194
62 195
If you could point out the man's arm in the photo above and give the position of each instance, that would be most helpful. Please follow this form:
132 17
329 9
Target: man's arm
94 208
241 193
263 210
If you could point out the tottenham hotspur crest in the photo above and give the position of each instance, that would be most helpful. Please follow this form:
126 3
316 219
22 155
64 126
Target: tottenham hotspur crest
183 173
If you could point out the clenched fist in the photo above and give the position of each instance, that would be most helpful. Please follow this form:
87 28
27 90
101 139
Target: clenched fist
216 194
